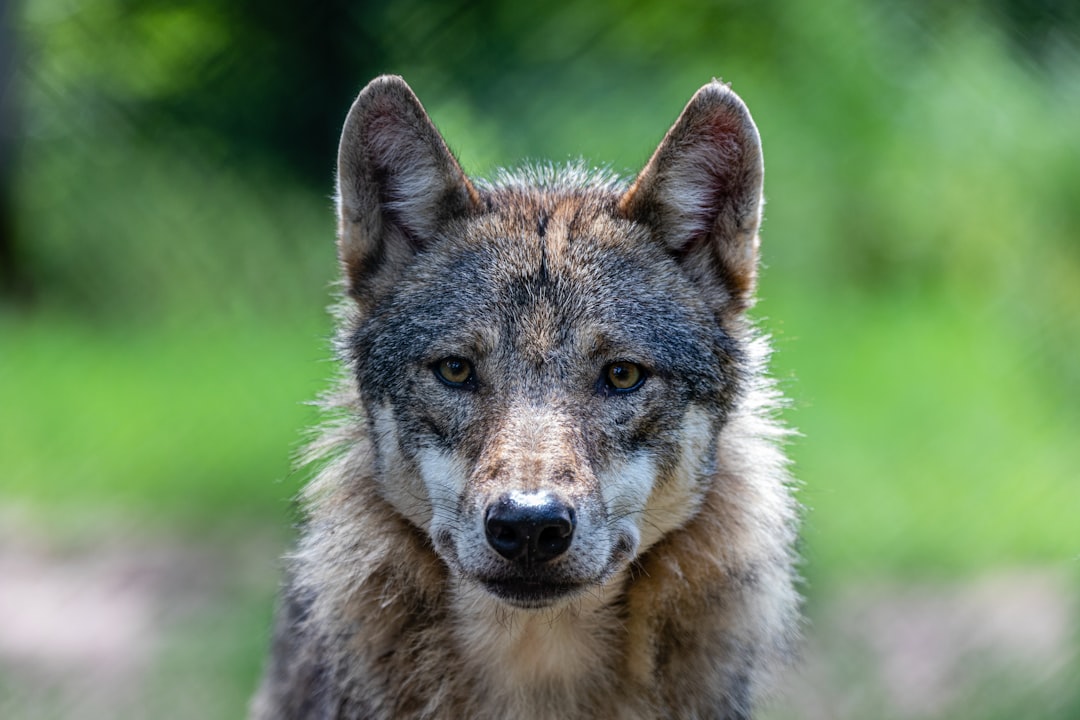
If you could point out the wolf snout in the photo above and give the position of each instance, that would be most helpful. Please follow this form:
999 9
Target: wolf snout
529 528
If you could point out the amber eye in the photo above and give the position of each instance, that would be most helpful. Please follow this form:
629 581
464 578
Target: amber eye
624 376
454 371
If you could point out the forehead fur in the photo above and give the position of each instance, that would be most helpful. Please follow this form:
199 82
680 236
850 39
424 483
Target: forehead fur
547 273
567 213
552 236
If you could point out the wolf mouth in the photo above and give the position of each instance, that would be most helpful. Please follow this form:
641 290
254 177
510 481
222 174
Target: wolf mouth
532 593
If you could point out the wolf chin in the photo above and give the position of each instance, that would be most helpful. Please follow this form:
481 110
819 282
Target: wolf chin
550 485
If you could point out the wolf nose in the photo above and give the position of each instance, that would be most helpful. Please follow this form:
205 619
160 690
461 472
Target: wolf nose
530 527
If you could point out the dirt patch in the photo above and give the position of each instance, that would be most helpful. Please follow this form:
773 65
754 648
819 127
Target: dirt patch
940 650
86 617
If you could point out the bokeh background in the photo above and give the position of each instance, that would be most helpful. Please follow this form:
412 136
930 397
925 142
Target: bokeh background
166 256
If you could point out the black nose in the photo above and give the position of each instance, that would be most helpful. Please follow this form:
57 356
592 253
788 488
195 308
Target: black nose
530 528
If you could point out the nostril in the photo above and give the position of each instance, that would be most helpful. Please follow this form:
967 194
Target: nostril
553 540
507 538
503 532
535 527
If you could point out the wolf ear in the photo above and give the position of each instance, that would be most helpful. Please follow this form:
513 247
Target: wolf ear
700 193
397 184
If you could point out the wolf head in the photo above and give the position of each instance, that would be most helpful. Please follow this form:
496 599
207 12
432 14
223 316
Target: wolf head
546 363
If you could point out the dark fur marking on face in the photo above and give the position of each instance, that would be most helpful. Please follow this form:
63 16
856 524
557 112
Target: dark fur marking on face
542 273
440 435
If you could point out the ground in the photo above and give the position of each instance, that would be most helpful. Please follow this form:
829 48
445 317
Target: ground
113 621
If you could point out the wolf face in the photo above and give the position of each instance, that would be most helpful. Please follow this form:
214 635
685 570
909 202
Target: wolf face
546 364
553 486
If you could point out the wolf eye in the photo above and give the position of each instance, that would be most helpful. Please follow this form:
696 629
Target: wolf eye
624 376
454 371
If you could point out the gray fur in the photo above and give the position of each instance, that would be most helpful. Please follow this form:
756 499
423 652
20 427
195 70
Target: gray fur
676 597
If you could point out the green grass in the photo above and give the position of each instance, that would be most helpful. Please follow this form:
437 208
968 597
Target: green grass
928 447
185 419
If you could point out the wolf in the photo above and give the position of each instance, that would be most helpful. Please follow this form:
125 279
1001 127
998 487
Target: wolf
552 482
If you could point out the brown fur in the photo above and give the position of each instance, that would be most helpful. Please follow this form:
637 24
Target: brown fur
675 597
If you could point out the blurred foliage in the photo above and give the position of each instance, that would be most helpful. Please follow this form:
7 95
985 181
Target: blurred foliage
171 202
923 161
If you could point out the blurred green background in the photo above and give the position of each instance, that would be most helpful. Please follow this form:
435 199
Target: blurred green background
166 255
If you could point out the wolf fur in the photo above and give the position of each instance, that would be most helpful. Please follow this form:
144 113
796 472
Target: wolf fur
573 351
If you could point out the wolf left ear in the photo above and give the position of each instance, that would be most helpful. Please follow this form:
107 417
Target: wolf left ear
397 184
701 194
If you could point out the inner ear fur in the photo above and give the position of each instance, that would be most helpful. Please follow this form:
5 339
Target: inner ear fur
701 194
397 185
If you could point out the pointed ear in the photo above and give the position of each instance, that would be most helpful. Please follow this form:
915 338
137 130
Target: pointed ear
397 185
700 193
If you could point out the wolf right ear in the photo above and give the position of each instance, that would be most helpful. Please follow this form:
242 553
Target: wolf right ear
700 194
397 183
